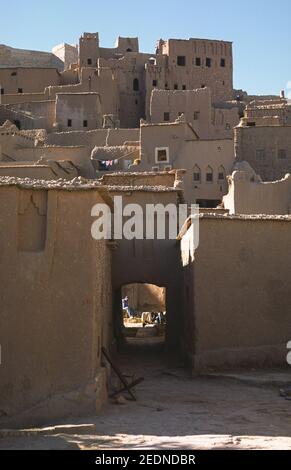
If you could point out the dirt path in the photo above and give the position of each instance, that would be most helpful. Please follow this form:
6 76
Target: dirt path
176 411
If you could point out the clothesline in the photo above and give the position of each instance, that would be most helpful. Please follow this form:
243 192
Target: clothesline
116 160
108 163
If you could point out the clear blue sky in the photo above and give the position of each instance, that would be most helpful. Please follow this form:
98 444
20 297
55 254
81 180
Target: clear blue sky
260 30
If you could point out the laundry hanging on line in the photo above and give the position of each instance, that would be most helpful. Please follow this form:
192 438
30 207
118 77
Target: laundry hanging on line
108 163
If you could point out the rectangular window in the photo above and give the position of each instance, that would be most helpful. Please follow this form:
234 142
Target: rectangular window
2 91
181 60
89 61
221 176
209 177
208 62
155 83
85 123
162 155
222 63
175 86
196 177
184 87
20 90
69 122
196 115
166 117
282 154
260 154
198 62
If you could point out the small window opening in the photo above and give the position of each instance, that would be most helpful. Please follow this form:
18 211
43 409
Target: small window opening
162 155
282 154
197 174
181 60
209 175
135 84
260 154
221 173
208 62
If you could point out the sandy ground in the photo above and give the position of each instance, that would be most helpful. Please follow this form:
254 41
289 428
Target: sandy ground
176 411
